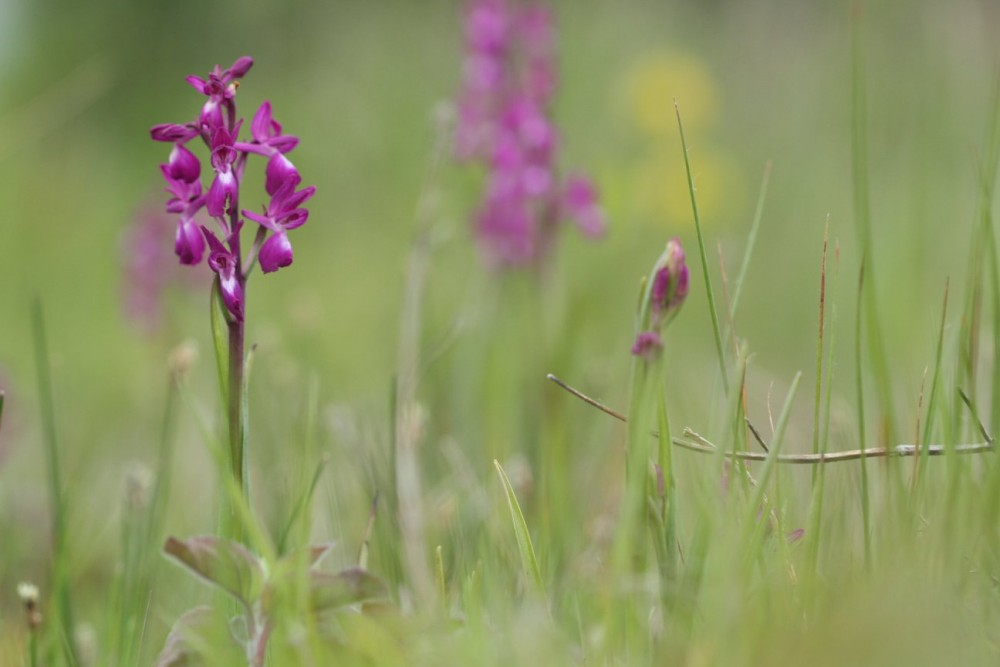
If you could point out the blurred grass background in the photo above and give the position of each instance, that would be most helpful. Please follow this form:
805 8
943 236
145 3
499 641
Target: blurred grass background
360 84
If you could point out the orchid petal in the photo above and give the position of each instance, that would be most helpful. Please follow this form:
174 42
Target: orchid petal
188 243
223 193
240 67
172 132
279 170
183 165
275 253
260 128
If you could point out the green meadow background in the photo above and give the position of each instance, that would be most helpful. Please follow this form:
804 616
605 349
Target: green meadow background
366 86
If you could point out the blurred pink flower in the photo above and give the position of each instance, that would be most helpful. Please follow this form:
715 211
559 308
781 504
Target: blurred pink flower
503 122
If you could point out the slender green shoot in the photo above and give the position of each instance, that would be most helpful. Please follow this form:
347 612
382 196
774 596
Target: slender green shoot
529 563
862 214
814 534
60 578
755 520
932 401
704 256
751 239
439 569
859 378
819 344
304 500
666 539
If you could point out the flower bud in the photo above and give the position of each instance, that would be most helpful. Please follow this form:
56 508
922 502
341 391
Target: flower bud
666 295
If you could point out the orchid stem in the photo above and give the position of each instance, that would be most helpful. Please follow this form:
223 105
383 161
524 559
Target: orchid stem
237 431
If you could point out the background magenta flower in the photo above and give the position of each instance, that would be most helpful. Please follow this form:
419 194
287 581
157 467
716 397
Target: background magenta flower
149 268
503 121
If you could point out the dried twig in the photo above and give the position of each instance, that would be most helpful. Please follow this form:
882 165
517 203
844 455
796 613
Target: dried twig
694 442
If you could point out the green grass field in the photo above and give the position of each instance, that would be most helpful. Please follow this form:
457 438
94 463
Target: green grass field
836 150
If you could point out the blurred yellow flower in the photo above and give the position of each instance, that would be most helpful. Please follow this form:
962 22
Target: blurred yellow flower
658 184
656 79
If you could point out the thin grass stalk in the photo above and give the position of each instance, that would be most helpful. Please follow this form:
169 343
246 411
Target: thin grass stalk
814 534
405 454
704 256
984 252
932 401
141 537
525 547
756 519
666 537
862 214
819 344
994 265
979 251
737 452
859 378
60 575
751 239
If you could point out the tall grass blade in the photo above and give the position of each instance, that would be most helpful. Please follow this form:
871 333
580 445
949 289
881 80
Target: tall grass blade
862 215
704 256
932 401
666 540
859 378
529 563
304 499
751 239
60 578
819 344
814 534
756 521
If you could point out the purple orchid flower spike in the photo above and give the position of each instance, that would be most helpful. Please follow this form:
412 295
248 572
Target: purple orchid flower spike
225 190
218 126
282 214
225 265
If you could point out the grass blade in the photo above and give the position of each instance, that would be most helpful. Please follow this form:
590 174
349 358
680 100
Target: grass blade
751 239
860 391
756 521
932 401
529 563
862 214
704 257
63 600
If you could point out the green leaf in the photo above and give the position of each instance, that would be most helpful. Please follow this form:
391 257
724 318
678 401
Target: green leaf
222 563
351 586
524 545
199 637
